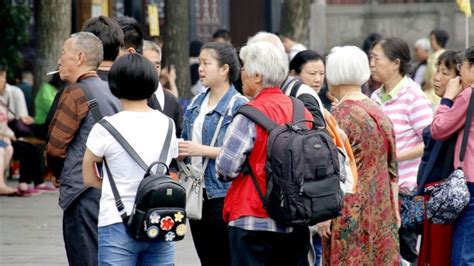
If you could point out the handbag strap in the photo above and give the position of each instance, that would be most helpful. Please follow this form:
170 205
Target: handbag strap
467 126
129 149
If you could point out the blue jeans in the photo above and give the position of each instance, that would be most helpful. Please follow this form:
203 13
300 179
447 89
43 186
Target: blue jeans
463 235
116 247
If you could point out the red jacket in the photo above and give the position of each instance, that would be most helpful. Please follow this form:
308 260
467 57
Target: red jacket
242 197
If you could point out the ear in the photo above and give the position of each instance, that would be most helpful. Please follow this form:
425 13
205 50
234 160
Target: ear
131 50
225 69
257 78
293 73
396 64
81 58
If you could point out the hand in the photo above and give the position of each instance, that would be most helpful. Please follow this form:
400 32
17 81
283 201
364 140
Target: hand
324 229
398 219
27 120
453 88
172 74
189 148
56 182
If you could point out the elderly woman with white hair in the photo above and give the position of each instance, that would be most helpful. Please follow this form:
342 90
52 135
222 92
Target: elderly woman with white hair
255 238
367 231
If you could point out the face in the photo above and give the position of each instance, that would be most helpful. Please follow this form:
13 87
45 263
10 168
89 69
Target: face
441 78
467 73
312 74
3 81
381 67
155 58
433 42
68 62
249 86
210 73
420 53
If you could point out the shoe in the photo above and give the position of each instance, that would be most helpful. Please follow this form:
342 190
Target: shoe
29 191
45 188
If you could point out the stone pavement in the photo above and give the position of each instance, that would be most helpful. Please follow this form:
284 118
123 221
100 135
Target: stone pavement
30 233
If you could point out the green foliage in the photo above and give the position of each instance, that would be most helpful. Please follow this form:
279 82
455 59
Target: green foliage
14 22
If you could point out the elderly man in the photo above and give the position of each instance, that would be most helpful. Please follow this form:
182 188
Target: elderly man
255 238
422 52
162 100
71 124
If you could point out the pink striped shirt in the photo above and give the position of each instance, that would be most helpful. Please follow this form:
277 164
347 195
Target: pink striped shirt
448 121
410 112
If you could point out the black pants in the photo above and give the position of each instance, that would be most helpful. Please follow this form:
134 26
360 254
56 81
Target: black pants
80 229
210 234
252 248
31 166
408 240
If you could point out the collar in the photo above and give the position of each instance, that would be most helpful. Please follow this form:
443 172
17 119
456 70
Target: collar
268 91
386 97
88 74
222 105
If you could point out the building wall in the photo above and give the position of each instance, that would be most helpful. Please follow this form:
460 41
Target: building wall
333 25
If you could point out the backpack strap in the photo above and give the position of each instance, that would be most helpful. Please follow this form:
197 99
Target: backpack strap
257 117
298 110
296 86
91 102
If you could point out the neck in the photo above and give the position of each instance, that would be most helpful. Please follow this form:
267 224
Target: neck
344 90
390 84
218 91
135 106
81 73
105 65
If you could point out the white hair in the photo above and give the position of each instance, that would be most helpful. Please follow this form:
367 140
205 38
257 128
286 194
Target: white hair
347 65
424 44
267 60
263 36
149 45
91 46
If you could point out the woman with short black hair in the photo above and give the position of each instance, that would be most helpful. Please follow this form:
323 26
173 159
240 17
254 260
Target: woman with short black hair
132 79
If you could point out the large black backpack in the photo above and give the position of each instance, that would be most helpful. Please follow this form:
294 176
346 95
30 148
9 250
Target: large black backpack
302 170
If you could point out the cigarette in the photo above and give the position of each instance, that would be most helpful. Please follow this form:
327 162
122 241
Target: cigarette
52 72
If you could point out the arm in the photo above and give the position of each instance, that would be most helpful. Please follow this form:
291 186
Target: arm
238 143
189 148
88 171
412 153
312 105
450 116
72 109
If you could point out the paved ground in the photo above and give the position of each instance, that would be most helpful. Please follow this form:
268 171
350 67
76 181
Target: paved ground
30 233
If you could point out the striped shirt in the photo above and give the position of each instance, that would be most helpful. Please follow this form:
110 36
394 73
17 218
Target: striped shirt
410 112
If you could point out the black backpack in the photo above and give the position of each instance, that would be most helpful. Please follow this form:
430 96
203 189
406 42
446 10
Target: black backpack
302 170
159 210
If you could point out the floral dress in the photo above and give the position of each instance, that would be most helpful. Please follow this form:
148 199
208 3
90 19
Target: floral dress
366 233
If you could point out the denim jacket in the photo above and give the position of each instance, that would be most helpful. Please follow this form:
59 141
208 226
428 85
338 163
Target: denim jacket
214 187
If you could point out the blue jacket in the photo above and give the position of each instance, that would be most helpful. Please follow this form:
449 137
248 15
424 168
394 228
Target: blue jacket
214 187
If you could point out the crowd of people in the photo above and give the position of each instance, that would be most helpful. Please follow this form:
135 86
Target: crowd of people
383 115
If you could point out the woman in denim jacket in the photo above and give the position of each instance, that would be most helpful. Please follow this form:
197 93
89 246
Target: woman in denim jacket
218 68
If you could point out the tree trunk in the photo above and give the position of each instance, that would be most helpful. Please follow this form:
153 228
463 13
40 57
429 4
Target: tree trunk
176 43
53 27
294 20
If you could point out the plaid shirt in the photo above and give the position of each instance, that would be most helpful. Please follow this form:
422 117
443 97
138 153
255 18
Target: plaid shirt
238 143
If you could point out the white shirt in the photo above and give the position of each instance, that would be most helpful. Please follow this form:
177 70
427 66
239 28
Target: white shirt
146 133
304 89
15 100
160 96
296 49
197 161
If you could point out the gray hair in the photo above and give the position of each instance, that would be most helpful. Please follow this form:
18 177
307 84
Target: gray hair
267 60
91 46
149 45
424 44
347 65
263 36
